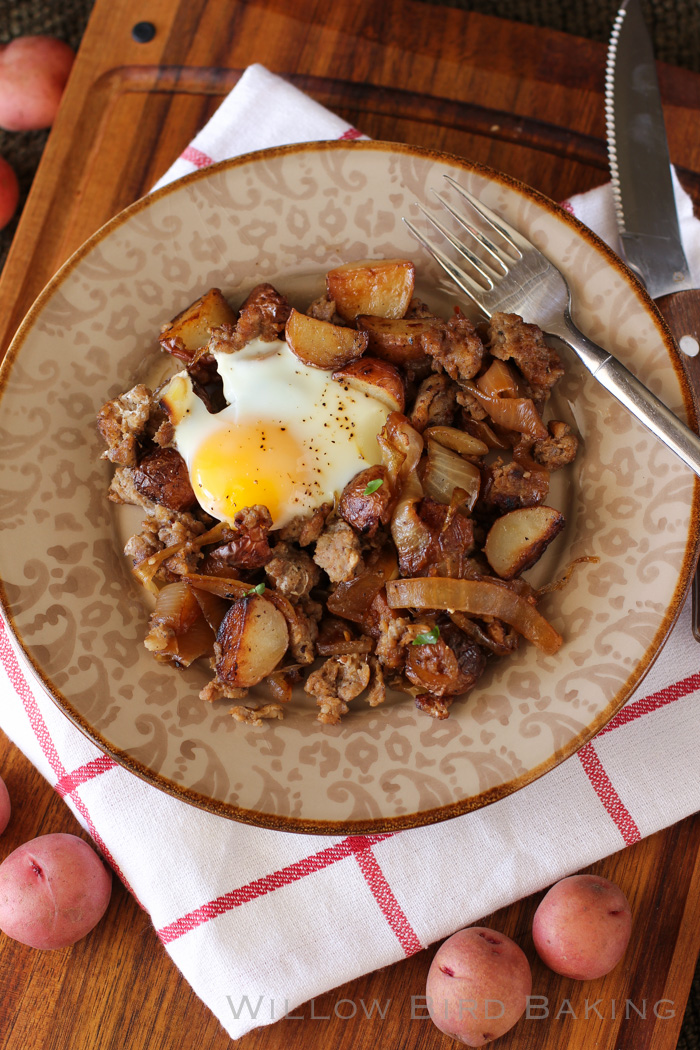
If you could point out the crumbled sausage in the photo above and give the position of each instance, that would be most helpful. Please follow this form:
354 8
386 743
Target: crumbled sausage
323 309
455 347
435 706
263 316
390 631
292 572
338 552
256 716
376 693
559 449
122 422
217 689
509 486
512 339
339 680
305 529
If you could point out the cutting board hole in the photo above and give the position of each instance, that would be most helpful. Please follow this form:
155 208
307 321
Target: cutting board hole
143 32
689 345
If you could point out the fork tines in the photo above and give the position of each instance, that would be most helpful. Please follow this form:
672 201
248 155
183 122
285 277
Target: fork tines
491 264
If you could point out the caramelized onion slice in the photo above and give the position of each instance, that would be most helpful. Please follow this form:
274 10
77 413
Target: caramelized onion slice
477 598
446 471
513 413
224 586
457 440
213 607
341 648
498 380
178 631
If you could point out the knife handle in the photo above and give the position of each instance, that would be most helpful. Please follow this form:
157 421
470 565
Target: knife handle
681 312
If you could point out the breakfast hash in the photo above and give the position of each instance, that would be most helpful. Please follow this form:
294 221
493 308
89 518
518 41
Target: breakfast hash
344 497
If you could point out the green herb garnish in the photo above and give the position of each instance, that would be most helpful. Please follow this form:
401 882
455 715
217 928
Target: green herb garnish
258 589
427 637
373 486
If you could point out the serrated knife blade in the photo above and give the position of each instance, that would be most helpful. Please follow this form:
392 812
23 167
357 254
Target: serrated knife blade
640 166
645 205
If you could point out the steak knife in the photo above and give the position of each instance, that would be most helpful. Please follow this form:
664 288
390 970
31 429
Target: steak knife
645 205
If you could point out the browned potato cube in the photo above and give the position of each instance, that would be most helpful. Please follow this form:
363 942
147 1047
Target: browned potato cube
377 379
320 344
398 340
518 539
191 326
382 287
251 641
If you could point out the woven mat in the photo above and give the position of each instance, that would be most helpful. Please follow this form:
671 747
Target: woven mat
675 26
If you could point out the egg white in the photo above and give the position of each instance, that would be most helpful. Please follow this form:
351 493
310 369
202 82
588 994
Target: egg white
290 437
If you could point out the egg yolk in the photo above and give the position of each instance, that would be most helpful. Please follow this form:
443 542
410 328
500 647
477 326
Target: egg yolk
240 466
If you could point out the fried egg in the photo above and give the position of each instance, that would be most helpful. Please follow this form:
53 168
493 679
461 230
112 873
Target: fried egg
290 436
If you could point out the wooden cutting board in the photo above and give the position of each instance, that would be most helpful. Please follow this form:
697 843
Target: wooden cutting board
524 100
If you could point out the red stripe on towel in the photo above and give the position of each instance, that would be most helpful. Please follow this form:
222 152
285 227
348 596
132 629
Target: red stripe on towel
267 884
14 672
196 157
24 692
70 781
607 794
384 896
647 704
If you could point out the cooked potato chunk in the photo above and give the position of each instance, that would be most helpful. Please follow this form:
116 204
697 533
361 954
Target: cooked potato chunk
320 344
382 287
252 640
518 539
191 326
398 340
375 378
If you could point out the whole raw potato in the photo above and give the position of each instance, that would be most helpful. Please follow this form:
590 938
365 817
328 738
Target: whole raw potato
9 193
33 74
5 807
53 890
478 985
582 927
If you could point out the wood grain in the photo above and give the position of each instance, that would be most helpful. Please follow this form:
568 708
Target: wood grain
526 101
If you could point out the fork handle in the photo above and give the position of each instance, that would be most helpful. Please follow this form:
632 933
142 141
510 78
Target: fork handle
637 399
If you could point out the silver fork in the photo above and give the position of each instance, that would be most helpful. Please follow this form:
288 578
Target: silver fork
520 279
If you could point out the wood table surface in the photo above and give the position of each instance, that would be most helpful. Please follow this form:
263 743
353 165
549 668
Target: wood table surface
526 101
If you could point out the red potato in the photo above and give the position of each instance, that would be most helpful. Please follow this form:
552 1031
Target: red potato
478 985
5 806
320 344
53 891
380 287
375 378
582 927
34 71
9 193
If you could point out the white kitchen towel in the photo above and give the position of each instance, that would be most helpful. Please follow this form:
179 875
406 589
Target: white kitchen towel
261 921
